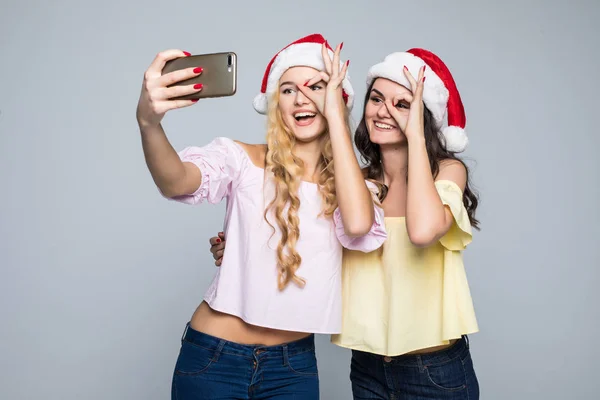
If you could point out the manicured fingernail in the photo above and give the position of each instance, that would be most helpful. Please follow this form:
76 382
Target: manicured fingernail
306 83
198 70
341 45
424 78
218 240
347 63
405 68
187 54
198 86
326 43
424 67
195 100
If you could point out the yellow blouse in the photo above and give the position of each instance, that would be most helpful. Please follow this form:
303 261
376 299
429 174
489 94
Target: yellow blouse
402 298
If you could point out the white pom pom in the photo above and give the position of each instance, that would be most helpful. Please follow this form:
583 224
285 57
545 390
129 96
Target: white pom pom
455 138
260 103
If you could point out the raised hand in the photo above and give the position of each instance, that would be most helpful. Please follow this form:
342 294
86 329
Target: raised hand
332 104
413 126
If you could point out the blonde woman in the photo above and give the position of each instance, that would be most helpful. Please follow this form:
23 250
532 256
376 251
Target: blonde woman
289 213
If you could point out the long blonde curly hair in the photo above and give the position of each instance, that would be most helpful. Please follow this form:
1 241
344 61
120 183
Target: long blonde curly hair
287 171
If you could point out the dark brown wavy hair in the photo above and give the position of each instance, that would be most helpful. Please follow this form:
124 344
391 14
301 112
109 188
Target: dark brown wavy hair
371 155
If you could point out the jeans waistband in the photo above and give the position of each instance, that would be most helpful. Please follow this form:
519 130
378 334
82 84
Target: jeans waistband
247 350
458 349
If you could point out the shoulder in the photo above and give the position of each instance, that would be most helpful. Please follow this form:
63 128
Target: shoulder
453 170
256 152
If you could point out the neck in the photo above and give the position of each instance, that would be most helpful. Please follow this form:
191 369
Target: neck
309 153
394 159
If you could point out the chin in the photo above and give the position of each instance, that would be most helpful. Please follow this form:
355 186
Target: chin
307 137
387 141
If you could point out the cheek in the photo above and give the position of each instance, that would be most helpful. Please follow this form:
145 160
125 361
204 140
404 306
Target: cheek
284 105
323 123
320 124
370 111
403 115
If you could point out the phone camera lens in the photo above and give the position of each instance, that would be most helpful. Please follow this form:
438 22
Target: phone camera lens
229 60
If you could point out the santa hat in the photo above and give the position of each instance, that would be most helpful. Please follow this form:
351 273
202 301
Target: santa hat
440 94
304 52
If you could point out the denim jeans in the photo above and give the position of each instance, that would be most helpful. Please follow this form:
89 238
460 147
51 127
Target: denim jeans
447 374
212 368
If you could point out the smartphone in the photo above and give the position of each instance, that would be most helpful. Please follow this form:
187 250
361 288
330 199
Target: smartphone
219 75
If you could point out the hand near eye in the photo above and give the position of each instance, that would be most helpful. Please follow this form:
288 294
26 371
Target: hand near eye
414 126
217 248
331 105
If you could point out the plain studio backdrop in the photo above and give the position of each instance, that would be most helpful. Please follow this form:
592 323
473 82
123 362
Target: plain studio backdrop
100 273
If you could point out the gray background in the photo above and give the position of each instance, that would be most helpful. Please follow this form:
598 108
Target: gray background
99 273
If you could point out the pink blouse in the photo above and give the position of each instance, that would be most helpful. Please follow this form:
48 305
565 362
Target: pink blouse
246 283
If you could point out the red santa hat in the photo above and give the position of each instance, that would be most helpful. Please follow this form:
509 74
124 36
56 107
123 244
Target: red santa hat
440 93
304 52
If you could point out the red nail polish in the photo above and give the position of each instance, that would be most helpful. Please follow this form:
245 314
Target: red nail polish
405 68
187 54
306 83
198 86
195 100
218 240
326 44
341 45
424 78
424 67
198 70
347 62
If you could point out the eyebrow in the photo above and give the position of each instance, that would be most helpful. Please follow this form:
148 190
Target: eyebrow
381 94
378 92
287 83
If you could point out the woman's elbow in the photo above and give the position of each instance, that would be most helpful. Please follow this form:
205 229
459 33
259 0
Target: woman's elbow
167 192
358 228
181 185
423 237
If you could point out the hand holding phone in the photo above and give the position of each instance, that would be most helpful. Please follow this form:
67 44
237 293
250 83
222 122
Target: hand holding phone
176 79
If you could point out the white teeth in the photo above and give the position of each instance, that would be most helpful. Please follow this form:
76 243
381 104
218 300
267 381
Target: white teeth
304 114
383 126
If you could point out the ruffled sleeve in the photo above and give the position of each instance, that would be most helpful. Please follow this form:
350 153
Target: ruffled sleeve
460 233
376 235
221 163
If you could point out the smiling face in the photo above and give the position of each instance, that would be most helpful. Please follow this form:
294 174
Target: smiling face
298 112
382 127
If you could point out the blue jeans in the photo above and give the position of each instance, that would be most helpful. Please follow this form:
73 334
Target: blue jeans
447 374
213 368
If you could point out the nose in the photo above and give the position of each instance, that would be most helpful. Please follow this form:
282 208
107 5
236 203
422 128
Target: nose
301 99
383 112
